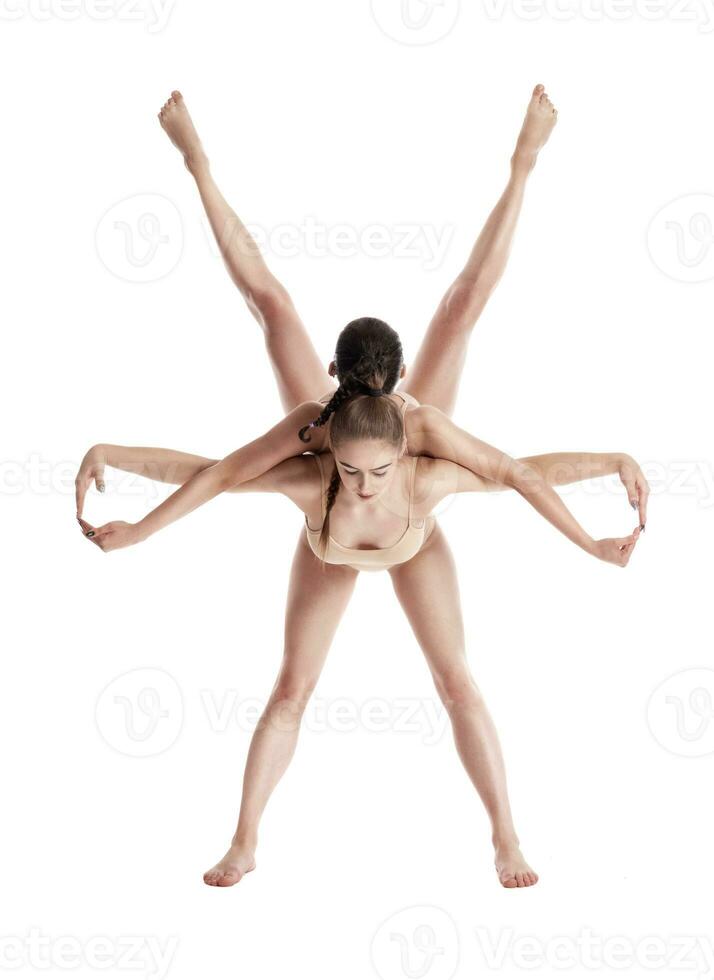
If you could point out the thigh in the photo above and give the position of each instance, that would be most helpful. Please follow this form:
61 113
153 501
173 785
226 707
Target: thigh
299 373
316 601
428 591
434 376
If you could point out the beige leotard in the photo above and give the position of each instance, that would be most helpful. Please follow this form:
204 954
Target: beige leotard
373 559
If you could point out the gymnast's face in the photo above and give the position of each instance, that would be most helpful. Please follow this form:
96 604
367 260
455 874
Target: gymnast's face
366 466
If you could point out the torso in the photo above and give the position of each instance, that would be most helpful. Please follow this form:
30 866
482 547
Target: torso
414 534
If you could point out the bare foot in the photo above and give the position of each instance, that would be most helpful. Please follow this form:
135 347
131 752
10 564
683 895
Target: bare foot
541 116
238 861
513 869
179 127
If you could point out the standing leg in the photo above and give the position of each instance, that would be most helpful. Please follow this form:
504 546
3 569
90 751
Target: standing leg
434 376
316 601
428 591
299 373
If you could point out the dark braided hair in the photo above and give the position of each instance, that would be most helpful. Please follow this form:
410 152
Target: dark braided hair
368 358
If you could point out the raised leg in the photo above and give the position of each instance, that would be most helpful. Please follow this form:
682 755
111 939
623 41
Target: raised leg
299 373
434 376
316 601
428 591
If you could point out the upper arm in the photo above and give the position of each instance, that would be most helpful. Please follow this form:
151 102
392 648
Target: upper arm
430 432
439 478
297 478
275 446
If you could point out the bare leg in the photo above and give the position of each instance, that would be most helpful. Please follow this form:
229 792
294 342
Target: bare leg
299 373
433 378
316 601
428 591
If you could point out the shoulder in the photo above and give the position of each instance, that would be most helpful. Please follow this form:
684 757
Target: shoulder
438 478
420 424
297 478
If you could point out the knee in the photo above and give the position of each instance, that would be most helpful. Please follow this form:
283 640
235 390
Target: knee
293 690
457 688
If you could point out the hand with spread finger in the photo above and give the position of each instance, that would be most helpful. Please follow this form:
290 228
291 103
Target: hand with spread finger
110 537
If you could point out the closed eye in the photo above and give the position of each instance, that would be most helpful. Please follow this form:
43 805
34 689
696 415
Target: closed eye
376 472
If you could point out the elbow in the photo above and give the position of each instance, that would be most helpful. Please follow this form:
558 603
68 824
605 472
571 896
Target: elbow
222 479
525 479
268 298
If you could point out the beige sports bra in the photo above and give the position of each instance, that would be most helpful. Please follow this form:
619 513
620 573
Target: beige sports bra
372 559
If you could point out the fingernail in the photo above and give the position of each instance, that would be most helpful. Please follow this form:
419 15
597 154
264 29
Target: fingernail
101 488
633 504
642 527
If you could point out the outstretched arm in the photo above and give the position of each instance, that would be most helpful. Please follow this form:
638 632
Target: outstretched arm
297 478
203 482
524 477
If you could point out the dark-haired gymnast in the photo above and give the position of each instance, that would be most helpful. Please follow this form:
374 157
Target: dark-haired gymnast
379 460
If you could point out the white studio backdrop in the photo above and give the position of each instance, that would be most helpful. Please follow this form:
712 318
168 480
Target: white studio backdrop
374 858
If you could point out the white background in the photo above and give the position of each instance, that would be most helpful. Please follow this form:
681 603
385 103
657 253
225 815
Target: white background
594 341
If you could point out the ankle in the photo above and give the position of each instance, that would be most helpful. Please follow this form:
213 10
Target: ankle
247 841
522 162
503 840
197 165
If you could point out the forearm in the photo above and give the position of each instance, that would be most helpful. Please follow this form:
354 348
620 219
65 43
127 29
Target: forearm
162 465
531 485
560 468
431 433
250 461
